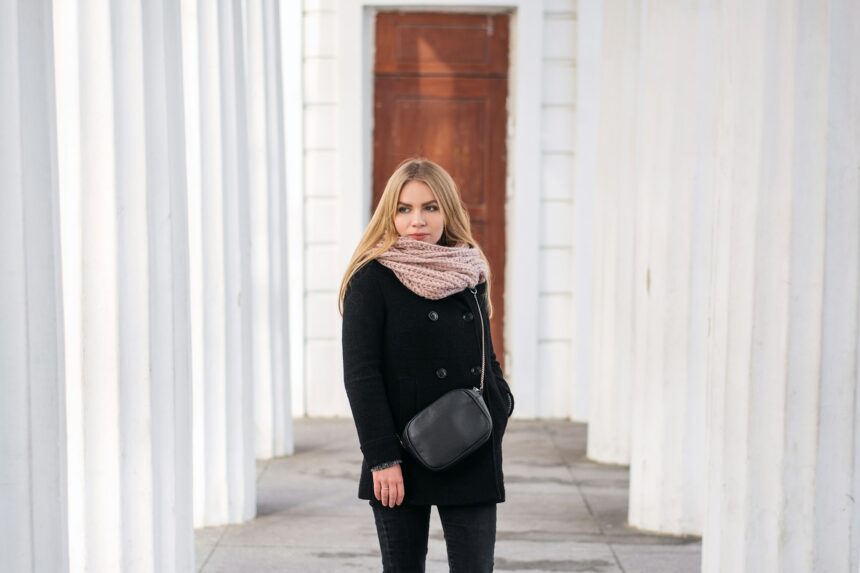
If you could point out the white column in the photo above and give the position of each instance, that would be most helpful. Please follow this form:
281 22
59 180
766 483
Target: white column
589 40
217 151
267 194
676 131
785 380
125 281
614 246
292 63
33 495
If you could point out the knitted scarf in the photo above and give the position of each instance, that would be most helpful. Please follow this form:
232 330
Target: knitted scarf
434 271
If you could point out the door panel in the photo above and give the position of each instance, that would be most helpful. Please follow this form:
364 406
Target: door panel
442 44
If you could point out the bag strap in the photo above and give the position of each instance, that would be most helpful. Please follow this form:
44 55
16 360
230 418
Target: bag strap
483 337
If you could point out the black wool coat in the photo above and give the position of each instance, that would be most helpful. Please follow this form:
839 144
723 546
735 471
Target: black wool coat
400 353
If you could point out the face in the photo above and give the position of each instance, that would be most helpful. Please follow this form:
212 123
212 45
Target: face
418 214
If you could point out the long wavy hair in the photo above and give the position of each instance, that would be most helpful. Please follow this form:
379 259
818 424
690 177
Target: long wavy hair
457 230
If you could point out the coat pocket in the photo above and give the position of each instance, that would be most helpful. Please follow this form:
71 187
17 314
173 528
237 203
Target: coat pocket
497 400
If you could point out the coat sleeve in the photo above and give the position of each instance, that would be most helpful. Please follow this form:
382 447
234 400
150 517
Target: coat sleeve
362 338
497 368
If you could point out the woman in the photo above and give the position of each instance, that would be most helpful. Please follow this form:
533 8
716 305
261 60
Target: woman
410 334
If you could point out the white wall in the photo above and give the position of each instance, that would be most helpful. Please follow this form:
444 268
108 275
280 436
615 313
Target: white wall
322 389
558 94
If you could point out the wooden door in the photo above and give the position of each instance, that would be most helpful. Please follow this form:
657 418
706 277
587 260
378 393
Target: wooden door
440 91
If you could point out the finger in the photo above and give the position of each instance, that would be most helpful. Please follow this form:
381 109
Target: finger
377 489
401 493
387 495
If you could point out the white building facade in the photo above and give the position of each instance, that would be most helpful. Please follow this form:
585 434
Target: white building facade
185 182
338 56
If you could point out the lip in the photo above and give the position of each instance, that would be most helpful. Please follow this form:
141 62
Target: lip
418 235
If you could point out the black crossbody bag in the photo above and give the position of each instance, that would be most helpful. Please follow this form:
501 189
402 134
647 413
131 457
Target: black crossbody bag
453 426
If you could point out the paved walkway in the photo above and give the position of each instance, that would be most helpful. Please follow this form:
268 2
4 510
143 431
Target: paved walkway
563 513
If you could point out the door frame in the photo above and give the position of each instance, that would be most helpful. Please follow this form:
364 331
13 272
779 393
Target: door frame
354 161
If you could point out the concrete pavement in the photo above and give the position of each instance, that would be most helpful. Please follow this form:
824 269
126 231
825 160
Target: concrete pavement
563 512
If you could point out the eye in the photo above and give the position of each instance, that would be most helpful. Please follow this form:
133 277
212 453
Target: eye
403 209
433 208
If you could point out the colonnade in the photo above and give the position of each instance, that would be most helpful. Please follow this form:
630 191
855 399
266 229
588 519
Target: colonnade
727 240
144 239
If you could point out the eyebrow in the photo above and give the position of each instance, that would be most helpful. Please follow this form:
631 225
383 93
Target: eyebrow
422 204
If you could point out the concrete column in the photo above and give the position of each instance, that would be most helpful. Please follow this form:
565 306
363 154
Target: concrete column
123 209
784 404
589 41
676 130
267 193
293 66
33 494
614 246
218 180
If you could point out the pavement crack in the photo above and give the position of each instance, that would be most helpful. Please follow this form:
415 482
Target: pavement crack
615 556
569 565
263 471
212 551
584 498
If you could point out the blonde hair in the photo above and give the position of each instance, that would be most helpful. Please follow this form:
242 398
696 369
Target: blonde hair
457 230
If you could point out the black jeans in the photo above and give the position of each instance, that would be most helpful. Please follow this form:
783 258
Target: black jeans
470 536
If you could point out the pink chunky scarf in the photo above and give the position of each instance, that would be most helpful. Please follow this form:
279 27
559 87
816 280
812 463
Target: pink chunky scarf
434 271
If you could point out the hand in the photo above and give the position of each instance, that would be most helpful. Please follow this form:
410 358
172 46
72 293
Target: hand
388 486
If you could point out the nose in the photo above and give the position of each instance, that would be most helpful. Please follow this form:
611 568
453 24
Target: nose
417 218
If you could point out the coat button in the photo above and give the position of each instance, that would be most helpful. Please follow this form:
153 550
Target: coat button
475 370
441 373
433 315
468 317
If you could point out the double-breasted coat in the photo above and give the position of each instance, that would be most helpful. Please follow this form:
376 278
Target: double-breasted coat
401 352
